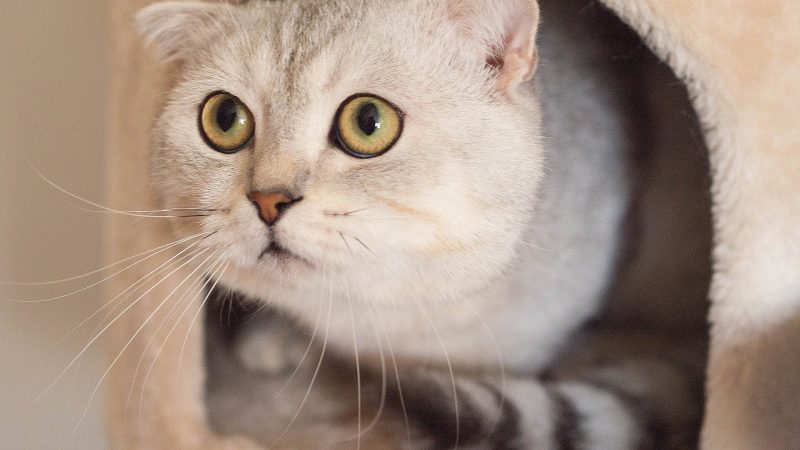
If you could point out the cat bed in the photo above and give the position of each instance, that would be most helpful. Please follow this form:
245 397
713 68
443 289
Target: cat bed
740 61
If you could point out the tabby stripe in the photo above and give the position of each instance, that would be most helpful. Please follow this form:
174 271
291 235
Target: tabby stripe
506 433
431 408
567 430
654 433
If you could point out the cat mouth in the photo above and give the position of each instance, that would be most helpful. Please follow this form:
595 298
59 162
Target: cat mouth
278 252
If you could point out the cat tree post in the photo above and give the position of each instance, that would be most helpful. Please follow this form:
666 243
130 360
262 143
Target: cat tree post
136 95
740 60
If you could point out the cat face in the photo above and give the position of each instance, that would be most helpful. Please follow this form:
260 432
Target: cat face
386 150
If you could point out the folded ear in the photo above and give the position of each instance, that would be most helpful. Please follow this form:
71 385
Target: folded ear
177 28
505 33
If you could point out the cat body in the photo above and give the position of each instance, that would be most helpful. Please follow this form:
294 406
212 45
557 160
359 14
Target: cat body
478 243
447 229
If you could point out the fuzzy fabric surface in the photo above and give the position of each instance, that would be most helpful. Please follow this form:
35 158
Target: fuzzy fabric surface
741 62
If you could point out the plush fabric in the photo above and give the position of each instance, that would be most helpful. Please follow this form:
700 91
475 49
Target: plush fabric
741 62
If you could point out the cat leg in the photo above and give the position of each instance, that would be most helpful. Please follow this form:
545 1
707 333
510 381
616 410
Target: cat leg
156 399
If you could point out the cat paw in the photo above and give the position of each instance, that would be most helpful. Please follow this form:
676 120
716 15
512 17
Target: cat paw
271 347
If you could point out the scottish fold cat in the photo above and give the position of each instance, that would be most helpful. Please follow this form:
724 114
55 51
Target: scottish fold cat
382 165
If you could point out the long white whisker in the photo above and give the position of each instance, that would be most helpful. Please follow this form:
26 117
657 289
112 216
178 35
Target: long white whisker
120 304
186 302
182 214
63 296
212 273
78 197
533 246
136 285
358 364
382 404
185 299
196 291
102 269
316 370
449 368
397 378
199 311
500 361
159 211
93 340
311 343
130 341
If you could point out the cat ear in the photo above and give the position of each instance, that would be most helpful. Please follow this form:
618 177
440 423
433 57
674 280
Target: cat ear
505 33
177 28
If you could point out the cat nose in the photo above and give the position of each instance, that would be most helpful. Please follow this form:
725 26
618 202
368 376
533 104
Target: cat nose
271 206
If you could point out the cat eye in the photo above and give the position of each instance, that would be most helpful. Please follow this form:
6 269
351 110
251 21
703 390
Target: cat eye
226 123
367 126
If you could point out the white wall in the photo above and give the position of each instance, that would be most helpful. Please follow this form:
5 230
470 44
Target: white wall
52 111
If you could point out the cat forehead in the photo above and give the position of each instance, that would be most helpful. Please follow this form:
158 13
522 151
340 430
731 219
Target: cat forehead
289 50
293 33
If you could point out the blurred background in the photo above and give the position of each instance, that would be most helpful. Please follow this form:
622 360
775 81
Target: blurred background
53 109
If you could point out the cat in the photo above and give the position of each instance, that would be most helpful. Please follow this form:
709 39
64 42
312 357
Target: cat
369 165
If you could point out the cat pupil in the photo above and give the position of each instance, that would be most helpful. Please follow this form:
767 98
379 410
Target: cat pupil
226 115
369 119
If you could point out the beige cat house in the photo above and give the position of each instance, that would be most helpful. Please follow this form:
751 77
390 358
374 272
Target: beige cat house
740 60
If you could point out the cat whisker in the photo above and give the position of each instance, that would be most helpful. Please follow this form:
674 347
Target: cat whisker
165 216
197 290
316 370
166 210
109 325
386 219
197 314
190 292
102 208
449 368
397 378
535 247
384 383
297 368
93 285
358 365
356 211
365 246
133 287
500 362
148 253
185 299
345 241
349 213
367 218
153 214
188 295
192 216
132 339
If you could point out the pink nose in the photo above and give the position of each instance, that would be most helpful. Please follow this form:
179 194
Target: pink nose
270 206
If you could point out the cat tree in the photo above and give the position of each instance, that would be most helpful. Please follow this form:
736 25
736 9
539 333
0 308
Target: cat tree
741 62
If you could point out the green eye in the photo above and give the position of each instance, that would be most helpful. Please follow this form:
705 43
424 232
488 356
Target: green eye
367 126
226 123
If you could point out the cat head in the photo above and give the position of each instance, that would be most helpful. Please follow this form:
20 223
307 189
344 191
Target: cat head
385 149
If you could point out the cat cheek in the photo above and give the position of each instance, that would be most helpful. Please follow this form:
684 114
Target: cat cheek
239 233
